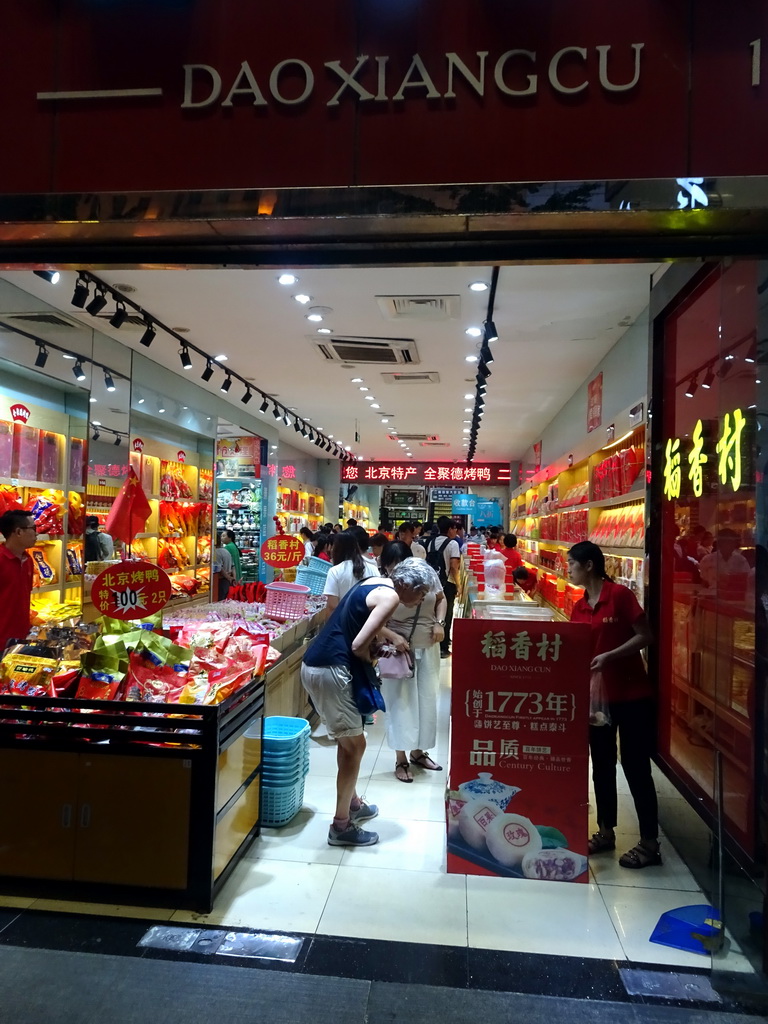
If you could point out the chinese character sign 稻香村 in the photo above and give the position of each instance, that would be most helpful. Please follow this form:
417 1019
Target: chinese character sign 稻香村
518 773
723 458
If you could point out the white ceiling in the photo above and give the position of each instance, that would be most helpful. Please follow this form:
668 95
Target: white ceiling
555 323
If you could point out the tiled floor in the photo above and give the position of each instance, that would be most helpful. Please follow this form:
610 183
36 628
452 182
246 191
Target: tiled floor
398 890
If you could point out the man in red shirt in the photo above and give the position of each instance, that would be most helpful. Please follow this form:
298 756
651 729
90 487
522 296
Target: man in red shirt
510 552
18 528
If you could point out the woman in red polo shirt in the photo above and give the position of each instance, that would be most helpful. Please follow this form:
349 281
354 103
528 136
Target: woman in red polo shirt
619 633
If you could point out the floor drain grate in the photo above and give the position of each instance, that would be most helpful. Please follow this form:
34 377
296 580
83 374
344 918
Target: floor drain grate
254 945
694 988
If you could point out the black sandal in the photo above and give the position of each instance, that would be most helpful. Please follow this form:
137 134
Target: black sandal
600 843
640 857
426 762
403 766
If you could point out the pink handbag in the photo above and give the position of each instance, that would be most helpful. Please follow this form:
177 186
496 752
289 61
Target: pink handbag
399 664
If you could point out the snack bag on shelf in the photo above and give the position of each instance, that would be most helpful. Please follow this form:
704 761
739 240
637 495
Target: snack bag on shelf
27 675
74 560
101 676
43 572
46 612
75 514
47 507
157 677
9 498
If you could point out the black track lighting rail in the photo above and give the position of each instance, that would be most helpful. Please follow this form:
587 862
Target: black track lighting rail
86 280
484 365
45 347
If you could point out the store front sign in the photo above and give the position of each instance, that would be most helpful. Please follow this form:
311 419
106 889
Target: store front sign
282 552
131 590
20 413
699 460
137 445
518 782
464 504
233 95
425 472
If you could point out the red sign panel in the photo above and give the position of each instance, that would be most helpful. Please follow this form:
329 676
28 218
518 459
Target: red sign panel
131 590
594 403
282 552
233 95
519 756
137 445
425 473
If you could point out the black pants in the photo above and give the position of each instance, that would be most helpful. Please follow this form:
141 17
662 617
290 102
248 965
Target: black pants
450 596
635 722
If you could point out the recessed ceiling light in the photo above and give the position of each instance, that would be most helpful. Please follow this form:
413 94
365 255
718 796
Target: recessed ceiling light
369 398
274 446
473 332
466 430
470 359
375 405
468 398
357 380
324 330
468 409
385 420
287 279
67 355
303 299
96 423
478 286
467 421
314 317
364 388
347 448
359 458
91 400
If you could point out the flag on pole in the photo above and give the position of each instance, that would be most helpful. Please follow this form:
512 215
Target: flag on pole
130 510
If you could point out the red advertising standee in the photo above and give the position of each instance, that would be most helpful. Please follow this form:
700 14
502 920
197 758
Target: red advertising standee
519 759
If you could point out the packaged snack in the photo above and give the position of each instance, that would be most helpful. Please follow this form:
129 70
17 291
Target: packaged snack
101 676
150 679
74 560
28 674
44 572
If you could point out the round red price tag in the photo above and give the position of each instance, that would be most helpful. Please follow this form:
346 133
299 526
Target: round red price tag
131 590
282 552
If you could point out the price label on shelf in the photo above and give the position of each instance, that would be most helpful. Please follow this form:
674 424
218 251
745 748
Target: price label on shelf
131 590
282 552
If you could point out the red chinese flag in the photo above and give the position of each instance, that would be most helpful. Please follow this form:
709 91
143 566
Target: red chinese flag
129 512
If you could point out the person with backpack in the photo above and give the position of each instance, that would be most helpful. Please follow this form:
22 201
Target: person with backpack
444 555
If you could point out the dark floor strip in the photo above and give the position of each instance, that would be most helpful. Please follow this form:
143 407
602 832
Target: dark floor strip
369 960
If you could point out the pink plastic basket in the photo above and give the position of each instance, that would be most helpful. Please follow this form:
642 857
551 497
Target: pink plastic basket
286 601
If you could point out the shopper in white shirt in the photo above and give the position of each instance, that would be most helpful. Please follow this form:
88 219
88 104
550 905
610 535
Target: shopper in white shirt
445 544
726 560
349 566
407 534
309 541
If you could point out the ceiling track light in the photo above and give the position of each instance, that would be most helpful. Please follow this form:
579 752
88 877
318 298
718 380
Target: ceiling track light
109 384
483 369
297 426
42 355
709 378
264 406
287 420
97 303
226 383
95 435
51 276
486 355
276 412
78 371
247 396
208 371
118 440
80 294
303 429
690 391
185 357
119 317
149 335
489 331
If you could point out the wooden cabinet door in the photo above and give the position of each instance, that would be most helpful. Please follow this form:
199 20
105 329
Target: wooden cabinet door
133 820
38 796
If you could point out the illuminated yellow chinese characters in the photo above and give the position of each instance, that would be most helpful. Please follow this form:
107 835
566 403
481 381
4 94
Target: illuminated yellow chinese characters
673 474
697 459
729 449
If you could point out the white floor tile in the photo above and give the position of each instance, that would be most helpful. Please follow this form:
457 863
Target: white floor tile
403 845
399 905
103 910
672 874
303 840
558 918
635 917
420 800
286 896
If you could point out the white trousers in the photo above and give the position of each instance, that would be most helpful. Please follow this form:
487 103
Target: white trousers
412 704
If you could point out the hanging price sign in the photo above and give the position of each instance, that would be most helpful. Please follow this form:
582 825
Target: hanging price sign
282 552
131 590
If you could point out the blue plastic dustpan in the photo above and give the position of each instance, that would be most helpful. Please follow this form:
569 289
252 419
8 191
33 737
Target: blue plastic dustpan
695 929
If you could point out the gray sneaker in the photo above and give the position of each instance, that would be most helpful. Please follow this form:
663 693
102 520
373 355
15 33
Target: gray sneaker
353 835
364 812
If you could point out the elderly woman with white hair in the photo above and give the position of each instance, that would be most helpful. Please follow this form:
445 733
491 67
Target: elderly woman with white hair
412 702
335 664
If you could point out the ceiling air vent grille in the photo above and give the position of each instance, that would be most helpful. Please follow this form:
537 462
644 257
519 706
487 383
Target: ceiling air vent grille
434 444
420 307
59 321
426 377
414 437
356 350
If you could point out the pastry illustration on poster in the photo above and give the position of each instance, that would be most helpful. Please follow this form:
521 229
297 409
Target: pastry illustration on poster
518 778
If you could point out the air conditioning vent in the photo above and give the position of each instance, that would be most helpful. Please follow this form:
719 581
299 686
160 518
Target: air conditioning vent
434 444
356 350
411 378
414 437
58 321
132 320
420 307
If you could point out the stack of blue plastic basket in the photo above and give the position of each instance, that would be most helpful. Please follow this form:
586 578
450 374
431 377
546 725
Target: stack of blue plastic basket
284 763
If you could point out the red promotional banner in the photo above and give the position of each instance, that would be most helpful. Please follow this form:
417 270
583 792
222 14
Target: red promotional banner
282 552
595 403
131 590
519 759
426 473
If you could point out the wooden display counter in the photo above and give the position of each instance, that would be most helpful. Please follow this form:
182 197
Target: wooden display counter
97 807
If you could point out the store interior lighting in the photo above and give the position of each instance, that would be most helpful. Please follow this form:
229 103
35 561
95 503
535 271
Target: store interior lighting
80 294
78 371
709 378
119 317
276 411
208 371
51 276
148 336
118 441
226 384
95 435
185 357
297 426
247 396
109 384
97 303
690 391
264 406
42 355
490 333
